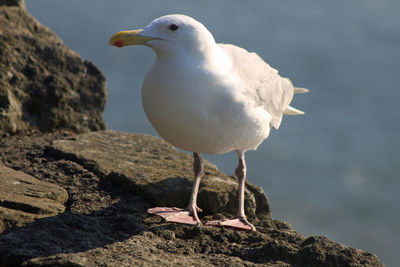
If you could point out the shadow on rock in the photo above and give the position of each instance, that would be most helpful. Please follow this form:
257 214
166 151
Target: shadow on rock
68 232
173 191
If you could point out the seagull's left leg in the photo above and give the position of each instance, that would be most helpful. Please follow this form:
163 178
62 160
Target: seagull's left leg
239 222
188 215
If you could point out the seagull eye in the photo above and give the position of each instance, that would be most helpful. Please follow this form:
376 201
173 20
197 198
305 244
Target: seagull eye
173 27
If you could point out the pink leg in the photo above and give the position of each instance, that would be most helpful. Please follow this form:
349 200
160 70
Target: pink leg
239 222
188 215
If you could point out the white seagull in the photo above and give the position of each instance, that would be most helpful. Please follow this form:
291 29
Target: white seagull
205 97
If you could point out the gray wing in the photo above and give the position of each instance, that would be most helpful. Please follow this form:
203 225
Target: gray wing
263 83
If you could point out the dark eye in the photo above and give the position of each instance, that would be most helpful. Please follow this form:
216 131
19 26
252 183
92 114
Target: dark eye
173 27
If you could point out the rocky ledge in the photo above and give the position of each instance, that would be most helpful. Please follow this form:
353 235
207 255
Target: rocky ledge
111 179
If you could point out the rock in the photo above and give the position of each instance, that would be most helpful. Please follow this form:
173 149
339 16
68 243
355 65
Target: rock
107 225
20 3
23 198
67 232
43 84
156 170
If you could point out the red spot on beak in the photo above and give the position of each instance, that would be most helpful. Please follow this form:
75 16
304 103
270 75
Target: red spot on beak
118 43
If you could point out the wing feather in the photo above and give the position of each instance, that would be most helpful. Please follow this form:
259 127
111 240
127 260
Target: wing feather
263 83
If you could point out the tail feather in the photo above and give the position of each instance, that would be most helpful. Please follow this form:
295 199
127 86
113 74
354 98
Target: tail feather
292 111
298 90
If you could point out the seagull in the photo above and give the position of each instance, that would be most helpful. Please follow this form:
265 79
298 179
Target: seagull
207 97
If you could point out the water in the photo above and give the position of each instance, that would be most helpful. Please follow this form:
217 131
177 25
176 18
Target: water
333 172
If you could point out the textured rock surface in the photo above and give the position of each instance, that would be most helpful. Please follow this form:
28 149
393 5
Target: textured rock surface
106 224
43 84
154 169
19 3
24 198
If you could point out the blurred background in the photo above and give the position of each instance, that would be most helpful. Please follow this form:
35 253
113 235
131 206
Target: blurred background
334 171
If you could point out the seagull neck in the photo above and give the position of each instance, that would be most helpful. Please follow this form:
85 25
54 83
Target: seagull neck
211 58
218 61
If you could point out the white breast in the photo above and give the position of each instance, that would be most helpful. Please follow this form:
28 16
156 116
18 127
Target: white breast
200 111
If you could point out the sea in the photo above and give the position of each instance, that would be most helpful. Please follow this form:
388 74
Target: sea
334 171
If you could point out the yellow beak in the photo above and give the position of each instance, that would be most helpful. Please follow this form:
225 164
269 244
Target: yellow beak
124 38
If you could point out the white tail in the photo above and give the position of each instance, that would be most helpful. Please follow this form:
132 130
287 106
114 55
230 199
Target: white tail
298 90
292 111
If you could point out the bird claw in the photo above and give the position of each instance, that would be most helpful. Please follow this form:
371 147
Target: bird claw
173 214
238 223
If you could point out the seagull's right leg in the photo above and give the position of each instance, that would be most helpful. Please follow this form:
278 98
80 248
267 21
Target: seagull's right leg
188 215
239 222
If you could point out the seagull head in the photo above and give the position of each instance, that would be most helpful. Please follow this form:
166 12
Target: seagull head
168 35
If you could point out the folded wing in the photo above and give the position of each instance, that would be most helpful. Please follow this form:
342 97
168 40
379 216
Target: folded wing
263 83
